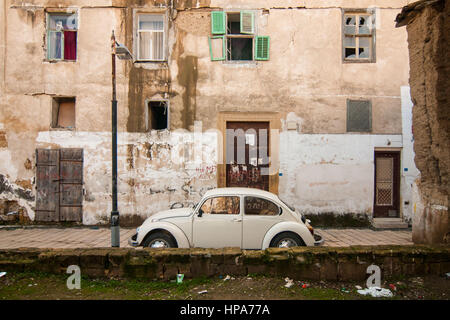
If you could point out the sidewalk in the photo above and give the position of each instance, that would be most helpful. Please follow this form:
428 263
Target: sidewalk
90 238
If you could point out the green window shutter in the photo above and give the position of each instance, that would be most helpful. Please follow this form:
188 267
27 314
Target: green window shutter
218 22
247 22
262 48
217 48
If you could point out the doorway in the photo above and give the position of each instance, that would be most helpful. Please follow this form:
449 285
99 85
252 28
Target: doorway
247 158
387 185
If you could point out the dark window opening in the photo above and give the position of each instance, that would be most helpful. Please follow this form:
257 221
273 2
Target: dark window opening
234 23
240 48
239 45
63 113
158 115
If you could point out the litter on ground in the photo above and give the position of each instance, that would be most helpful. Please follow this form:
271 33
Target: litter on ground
203 292
289 282
2 274
376 292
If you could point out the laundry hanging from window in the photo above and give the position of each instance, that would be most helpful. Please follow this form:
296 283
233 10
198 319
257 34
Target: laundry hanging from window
62 36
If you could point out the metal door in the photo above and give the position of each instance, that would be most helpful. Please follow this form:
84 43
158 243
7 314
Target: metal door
387 184
247 150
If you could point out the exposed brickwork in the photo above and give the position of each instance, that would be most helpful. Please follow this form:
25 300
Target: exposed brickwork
428 39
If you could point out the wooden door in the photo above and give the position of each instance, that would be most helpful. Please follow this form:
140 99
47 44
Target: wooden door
70 184
59 184
47 185
247 154
387 185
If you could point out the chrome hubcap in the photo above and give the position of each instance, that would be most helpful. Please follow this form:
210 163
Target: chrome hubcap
159 243
287 243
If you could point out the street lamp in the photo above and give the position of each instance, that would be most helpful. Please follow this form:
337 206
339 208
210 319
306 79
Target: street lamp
123 54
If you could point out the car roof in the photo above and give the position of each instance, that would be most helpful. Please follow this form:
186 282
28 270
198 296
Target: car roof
241 191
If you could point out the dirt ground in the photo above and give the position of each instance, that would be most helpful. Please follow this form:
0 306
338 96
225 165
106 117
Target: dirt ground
31 286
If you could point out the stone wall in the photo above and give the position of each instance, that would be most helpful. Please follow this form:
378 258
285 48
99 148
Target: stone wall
428 38
335 264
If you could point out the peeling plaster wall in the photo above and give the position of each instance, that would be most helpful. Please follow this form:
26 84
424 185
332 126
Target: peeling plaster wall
156 171
330 173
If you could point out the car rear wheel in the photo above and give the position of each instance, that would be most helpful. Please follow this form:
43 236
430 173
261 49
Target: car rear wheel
159 240
286 240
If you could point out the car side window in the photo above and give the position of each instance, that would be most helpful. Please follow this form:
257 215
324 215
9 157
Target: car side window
221 205
261 207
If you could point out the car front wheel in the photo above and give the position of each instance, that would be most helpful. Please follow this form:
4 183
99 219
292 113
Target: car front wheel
286 240
159 240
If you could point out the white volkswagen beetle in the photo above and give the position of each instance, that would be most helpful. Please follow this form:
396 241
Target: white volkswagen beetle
228 217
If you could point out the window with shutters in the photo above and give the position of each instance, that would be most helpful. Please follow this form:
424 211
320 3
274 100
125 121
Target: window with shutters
62 31
358 36
234 37
359 116
151 37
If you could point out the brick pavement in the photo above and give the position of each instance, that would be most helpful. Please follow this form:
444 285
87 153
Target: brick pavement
101 237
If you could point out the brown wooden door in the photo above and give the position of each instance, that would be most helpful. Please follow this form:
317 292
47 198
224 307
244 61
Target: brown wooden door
59 184
71 184
47 185
247 156
387 185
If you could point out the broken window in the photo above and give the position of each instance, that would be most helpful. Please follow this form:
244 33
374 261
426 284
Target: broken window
157 115
359 36
234 37
62 36
359 116
151 37
63 113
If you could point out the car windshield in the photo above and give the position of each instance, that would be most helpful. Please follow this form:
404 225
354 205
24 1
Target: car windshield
287 205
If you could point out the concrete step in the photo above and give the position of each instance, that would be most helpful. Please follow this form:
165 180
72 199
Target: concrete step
389 223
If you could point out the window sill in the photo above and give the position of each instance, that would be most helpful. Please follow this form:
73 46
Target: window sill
359 132
241 63
62 129
57 61
152 65
358 61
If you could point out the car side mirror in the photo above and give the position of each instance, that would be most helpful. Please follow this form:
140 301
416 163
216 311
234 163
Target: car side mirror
200 212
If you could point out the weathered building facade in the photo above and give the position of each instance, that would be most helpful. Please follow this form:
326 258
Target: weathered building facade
327 80
428 26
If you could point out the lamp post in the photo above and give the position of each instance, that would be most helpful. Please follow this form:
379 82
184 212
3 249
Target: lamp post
124 54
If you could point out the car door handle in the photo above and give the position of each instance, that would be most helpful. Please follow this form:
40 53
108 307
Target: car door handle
237 220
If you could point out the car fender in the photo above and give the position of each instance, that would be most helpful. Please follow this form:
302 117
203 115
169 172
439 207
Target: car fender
295 227
176 232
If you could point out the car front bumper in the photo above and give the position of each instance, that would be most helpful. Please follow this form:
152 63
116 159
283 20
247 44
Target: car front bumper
132 241
318 240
